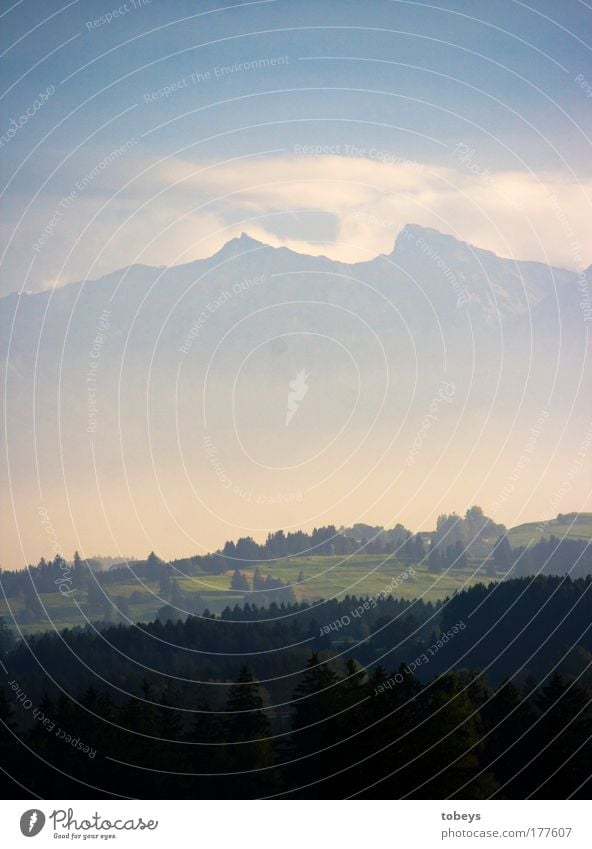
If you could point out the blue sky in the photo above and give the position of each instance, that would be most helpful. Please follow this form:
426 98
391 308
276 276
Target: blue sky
474 117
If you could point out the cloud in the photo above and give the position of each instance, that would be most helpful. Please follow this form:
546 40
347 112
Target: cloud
174 210
544 217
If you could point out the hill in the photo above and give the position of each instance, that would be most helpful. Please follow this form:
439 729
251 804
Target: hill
121 596
326 564
564 526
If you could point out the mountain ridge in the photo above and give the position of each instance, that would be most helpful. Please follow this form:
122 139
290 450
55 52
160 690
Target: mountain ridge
162 362
245 244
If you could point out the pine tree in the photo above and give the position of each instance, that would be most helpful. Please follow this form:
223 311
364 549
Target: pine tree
211 757
7 639
248 737
508 717
449 745
315 703
434 559
460 555
502 553
153 561
9 747
164 583
420 551
562 740
246 720
239 581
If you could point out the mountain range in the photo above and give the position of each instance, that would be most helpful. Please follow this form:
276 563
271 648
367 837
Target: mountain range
171 408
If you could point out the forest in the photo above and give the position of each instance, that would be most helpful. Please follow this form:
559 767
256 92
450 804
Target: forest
484 694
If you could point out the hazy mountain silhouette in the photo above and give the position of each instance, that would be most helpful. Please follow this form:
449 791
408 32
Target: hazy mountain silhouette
120 383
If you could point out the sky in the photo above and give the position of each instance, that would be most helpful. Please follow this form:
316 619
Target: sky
157 131
152 132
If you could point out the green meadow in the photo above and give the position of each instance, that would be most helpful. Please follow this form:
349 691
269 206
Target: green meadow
360 575
562 527
312 578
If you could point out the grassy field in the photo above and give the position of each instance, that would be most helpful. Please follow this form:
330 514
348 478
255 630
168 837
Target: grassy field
335 577
564 527
62 612
323 577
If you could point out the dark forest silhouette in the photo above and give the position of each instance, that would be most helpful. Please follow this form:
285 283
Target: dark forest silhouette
486 694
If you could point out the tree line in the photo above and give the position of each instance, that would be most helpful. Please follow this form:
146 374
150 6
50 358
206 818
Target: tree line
487 693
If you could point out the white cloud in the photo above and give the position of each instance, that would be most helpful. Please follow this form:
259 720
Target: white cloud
542 217
176 211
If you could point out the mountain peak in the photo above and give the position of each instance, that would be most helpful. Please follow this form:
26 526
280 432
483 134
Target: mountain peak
418 235
433 243
240 245
245 239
